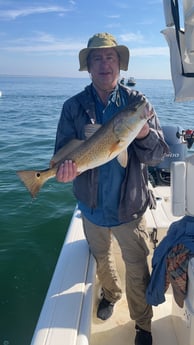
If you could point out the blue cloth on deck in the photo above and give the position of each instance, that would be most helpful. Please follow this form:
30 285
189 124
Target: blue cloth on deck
181 231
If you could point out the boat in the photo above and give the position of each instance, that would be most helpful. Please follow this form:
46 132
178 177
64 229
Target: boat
131 81
68 315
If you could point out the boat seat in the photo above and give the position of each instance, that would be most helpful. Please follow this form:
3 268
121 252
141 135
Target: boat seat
182 187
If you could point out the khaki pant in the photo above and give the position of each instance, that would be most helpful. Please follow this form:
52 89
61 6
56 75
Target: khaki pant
132 238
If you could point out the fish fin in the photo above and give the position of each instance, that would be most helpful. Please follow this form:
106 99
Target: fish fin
123 158
91 128
33 180
65 151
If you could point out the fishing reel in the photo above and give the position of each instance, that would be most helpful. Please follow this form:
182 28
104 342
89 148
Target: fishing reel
187 137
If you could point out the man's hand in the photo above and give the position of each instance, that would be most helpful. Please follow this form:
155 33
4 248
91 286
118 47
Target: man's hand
145 129
67 171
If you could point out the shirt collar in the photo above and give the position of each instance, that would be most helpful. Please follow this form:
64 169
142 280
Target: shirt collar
114 97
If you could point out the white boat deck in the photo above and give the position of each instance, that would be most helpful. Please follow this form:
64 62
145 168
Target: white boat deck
119 329
68 316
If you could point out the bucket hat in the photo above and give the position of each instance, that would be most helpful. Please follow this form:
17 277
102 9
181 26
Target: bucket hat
104 40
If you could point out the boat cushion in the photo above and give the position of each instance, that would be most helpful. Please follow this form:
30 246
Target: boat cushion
182 187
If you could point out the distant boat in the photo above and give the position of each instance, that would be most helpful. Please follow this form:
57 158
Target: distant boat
1 93
128 82
131 81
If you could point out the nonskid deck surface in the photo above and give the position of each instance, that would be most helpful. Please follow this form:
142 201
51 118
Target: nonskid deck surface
120 330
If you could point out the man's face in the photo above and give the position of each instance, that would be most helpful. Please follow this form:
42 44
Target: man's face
103 65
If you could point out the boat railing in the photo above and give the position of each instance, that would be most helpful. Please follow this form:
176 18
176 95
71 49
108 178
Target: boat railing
66 314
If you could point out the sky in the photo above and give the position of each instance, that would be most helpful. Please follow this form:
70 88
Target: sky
44 37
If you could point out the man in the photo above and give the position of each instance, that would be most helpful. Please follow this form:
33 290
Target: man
113 199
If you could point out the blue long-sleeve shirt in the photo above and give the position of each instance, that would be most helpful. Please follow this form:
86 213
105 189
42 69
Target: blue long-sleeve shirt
112 173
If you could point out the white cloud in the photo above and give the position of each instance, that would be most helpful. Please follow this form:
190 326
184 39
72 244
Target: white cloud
113 25
42 42
150 51
132 37
44 37
122 5
113 16
48 44
55 47
13 14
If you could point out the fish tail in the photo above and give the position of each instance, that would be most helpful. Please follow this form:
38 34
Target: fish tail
33 180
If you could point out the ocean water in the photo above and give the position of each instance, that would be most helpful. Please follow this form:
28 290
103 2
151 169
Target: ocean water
33 231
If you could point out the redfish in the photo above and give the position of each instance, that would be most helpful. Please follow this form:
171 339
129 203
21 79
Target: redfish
109 141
